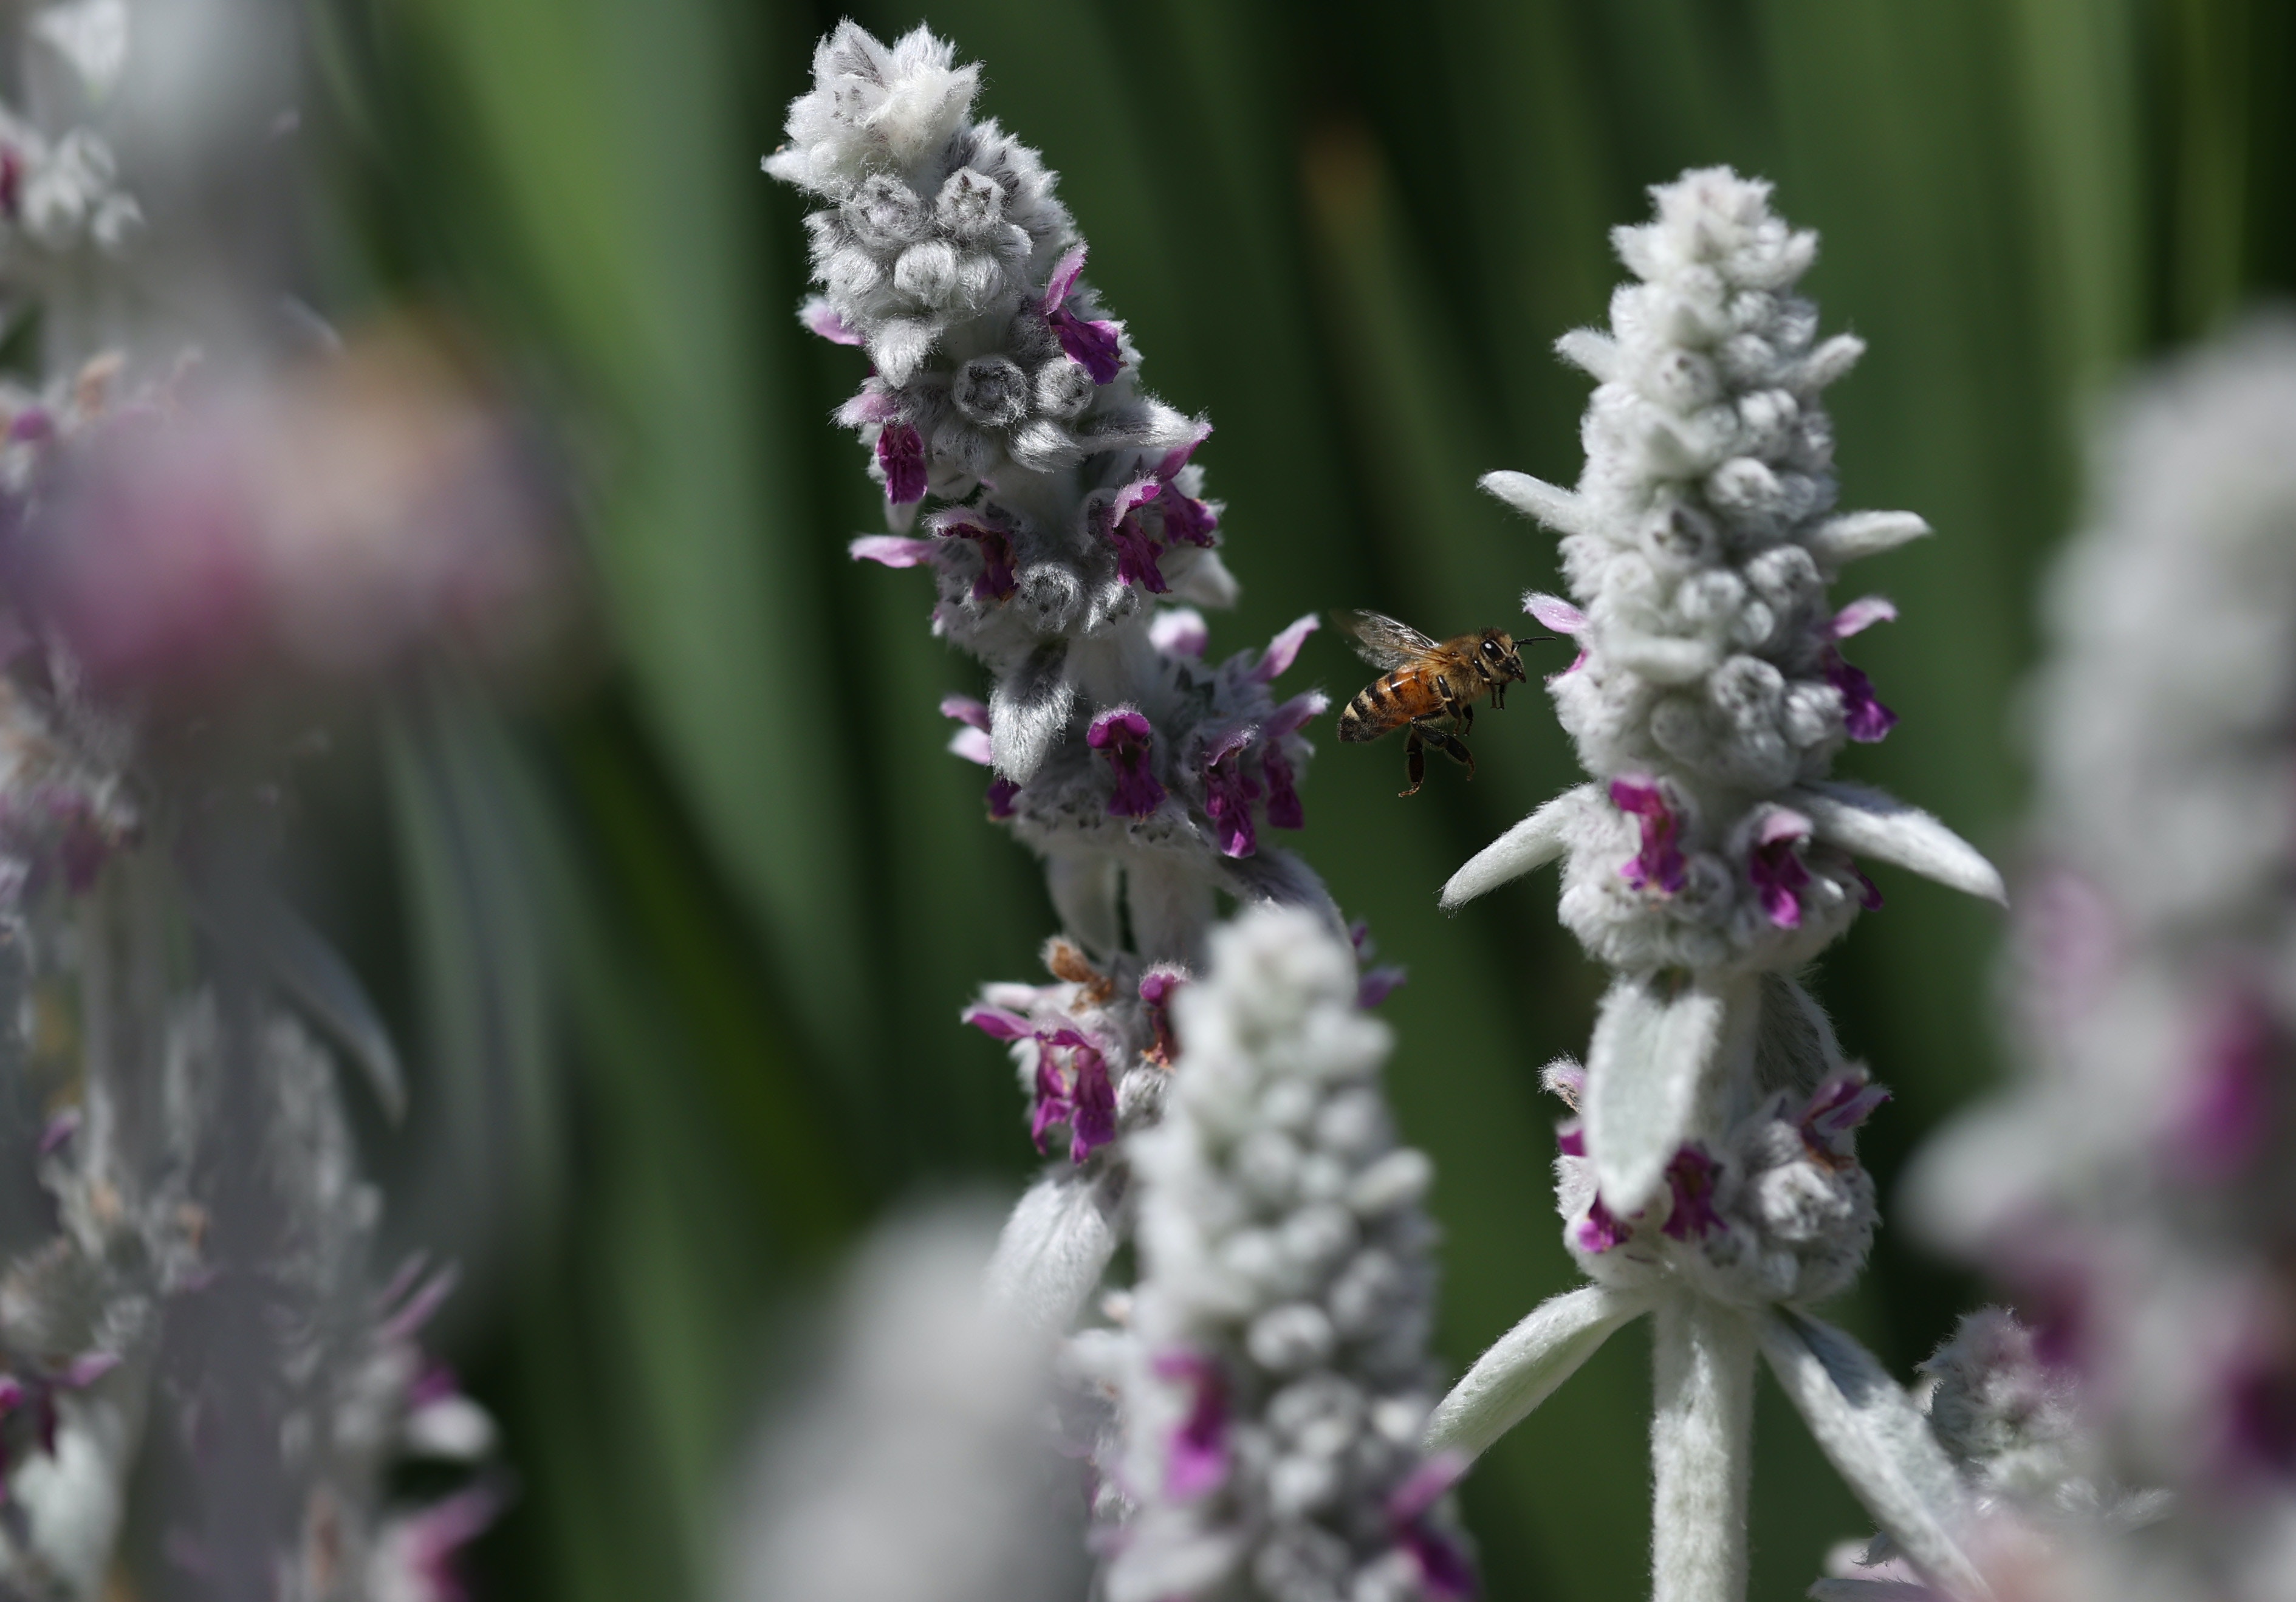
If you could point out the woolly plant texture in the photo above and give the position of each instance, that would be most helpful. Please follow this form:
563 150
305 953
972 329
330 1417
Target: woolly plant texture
1712 1177
1064 519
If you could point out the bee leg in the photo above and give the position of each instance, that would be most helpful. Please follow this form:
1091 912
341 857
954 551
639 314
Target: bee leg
1466 717
1498 697
1455 748
1414 762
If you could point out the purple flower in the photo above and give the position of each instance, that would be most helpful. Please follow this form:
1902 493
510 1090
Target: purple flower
1378 983
1443 1568
1135 552
893 551
1774 865
901 453
2227 1120
972 742
1283 809
1228 794
416 1554
1659 861
1001 792
821 318
1157 987
1184 516
1863 714
1090 344
1869 894
1691 1177
1073 1084
1180 632
1838 1107
1599 1231
1121 733
1564 618
1198 1463
36 1391
1283 650
1570 1137
997 579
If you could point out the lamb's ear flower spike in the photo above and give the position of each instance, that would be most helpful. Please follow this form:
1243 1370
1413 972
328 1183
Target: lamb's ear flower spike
2130 1189
1271 1379
1063 515
1712 1177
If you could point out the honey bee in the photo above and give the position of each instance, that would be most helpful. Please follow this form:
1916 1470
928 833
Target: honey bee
1429 687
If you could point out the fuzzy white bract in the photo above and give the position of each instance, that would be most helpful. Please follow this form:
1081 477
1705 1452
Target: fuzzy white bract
1274 1377
2131 1189
1711 1176
1064 522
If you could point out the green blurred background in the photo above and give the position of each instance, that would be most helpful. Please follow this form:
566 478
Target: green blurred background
679 950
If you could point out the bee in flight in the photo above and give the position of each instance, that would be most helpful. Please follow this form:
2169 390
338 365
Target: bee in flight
1429 687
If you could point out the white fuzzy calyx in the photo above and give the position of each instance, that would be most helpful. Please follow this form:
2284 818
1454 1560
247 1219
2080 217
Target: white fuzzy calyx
1276 1380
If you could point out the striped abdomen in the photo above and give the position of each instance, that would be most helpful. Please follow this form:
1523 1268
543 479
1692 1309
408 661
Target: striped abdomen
1387 703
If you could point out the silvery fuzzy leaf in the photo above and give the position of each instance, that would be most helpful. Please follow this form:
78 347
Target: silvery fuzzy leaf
1859 533
1531 844
1651 1050
1879 1442
1866 822
1027 710
1207 582
317 980
1083 888
1054 1249
1592 351
1524 1367
1555 507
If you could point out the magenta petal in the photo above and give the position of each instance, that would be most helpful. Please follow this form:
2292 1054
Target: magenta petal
1283 809
1691 1176
1001 792
975 747
1063 279
1092 346
1859 615
1180 632
1381 983
1121 733
1197 1457
821 317
901 453
1174 460
1599 1231
997 1022
1659 862
1297 713
1284 649
1185 518
1093 1123
966 710
1570 1137
1228 795
1775 869
1555 612
998 580
893 549
1863 714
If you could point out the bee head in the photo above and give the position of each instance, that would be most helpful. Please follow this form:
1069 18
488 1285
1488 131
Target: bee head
1500 656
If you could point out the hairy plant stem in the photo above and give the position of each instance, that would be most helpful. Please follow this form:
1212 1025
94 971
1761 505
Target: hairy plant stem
1702 1450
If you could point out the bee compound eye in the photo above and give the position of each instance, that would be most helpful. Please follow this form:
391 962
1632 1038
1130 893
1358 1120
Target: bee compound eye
1491 649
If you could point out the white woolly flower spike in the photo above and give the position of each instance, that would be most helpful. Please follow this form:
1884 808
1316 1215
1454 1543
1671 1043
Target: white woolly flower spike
2131 1189
1712 1177
1275 1378
1065 521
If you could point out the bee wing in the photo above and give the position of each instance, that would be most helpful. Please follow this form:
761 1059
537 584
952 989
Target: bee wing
1381 641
